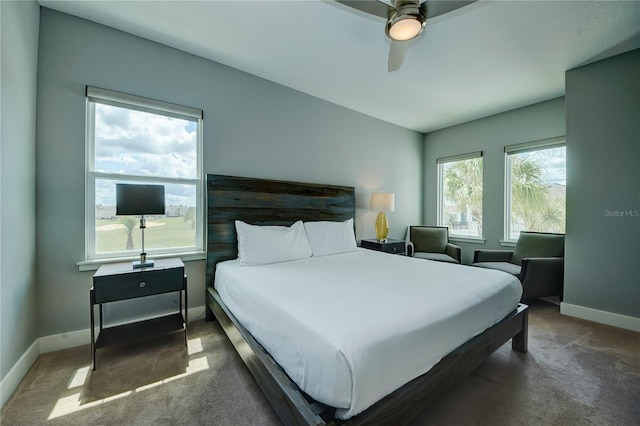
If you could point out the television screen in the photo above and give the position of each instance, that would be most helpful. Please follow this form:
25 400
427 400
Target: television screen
139 199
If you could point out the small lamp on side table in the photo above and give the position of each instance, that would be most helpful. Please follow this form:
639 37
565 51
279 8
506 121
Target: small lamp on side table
140 200
382 202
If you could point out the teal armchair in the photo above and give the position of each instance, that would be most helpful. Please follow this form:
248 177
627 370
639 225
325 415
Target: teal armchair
537 261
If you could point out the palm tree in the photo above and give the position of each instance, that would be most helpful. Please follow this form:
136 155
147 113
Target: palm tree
553 214
130 224
463 186
546 216
527 191
532 205
190 216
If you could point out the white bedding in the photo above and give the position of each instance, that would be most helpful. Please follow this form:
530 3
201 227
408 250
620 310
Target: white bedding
351 328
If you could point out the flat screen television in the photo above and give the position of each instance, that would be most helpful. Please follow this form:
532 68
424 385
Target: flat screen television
134 199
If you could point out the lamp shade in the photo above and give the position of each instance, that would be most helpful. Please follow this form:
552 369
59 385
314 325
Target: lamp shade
383 201
139 199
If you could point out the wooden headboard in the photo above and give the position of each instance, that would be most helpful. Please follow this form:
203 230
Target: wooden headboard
266 202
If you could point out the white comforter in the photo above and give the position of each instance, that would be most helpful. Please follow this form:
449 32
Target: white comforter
351 328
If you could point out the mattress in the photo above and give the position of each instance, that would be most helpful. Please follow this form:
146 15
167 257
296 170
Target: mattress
351 328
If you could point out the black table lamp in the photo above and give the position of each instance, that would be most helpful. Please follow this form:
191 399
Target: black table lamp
140 200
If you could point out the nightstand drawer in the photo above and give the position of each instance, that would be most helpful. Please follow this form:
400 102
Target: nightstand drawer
394 248
110 288
388 246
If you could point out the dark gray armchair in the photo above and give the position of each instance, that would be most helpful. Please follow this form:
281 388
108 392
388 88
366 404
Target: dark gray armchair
537 261
432 242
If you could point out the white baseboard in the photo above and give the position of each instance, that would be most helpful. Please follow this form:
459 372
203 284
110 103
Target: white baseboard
58 342
602 317
12 379
196 313
55 342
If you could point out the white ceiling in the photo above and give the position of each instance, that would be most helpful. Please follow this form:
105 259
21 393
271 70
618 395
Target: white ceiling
479 60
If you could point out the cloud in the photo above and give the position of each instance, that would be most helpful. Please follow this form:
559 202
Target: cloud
141 143
554 161
144 144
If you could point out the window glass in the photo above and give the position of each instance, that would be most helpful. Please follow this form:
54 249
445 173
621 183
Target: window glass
140 143
129 144
535 190
460 195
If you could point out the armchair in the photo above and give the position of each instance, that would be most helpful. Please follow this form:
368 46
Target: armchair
432 242
537 261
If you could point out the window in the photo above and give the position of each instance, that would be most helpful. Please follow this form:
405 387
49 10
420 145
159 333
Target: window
535 187
460 194
142 141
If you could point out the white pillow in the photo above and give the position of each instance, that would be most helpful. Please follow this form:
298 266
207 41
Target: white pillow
331 237
259 245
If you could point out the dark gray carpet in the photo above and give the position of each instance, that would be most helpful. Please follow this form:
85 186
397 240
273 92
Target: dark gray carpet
576 373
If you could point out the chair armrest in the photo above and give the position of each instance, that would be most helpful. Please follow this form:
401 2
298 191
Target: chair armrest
454 251
410 249
542 268
492 255
542 276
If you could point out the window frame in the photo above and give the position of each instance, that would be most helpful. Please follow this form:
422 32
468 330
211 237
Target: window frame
520 148
95 95
440 162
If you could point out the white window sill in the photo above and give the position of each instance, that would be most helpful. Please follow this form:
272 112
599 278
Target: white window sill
508 243
94 264
463 239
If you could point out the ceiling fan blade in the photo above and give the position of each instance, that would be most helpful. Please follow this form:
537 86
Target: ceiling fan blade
440 7
373 7
397 52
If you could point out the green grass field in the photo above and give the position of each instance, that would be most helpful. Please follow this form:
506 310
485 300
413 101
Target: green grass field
160 232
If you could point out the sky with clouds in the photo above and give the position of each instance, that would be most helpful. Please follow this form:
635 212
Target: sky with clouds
555 162
143 144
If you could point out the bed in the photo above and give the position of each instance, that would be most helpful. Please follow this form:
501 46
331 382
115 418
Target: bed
266 202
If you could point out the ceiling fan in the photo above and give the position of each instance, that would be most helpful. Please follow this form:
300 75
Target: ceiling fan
406 20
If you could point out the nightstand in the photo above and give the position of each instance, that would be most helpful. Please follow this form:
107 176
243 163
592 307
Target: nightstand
389 246
119 281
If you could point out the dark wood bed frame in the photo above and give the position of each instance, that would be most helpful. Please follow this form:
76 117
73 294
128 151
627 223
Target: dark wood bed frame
270 202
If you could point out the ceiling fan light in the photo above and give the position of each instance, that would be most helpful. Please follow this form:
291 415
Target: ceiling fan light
405 28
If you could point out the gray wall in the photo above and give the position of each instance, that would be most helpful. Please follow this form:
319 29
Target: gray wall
18 301
490 135
602 109
603 179
252 127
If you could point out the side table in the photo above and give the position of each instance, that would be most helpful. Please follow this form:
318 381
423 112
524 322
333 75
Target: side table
119 281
